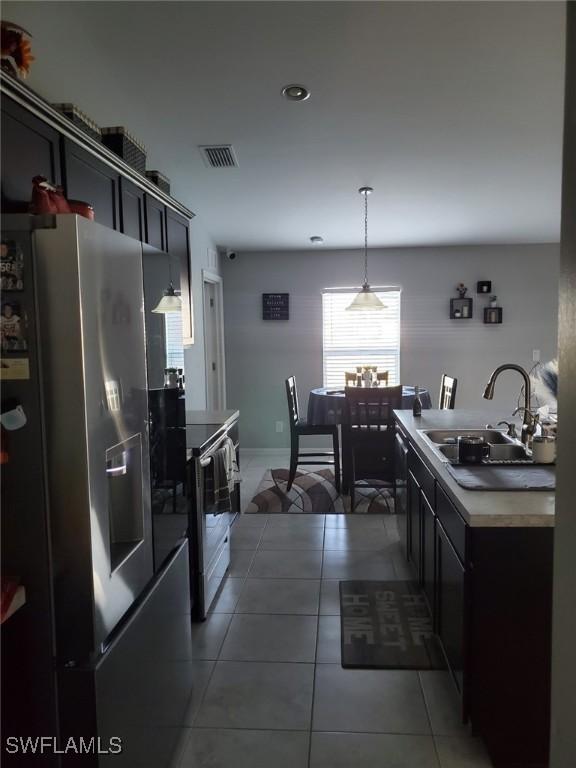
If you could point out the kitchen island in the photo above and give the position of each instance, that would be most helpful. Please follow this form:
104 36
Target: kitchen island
484 562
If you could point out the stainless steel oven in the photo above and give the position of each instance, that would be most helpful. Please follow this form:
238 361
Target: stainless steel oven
209 526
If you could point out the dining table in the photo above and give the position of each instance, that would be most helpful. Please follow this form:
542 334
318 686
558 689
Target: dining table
326 404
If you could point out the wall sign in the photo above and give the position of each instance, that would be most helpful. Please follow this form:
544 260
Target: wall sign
275 306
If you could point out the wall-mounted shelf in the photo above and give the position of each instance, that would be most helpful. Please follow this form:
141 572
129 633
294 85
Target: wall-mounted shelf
461 309
492 315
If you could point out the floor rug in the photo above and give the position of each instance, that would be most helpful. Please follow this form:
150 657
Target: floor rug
386 625
314 493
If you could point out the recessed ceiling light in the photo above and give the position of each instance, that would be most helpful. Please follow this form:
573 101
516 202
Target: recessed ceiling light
316 240
295 92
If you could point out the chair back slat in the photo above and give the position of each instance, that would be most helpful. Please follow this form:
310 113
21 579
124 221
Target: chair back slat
371 408
447 399
292 397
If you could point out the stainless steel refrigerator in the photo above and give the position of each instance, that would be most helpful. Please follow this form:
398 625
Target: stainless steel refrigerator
77 368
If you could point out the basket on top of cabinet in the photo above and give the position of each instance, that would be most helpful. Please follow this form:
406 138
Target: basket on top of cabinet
123 144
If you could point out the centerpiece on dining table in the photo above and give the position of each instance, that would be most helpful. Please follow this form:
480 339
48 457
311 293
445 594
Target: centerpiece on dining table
366 376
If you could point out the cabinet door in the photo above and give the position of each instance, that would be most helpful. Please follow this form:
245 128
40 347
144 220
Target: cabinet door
427 522
92 181
450 579
414 547
131 210
155 222
401 473
178 246
29 148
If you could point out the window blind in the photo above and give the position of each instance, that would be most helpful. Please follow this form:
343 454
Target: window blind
352 339
174 348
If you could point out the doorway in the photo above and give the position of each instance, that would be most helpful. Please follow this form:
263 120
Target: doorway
214 341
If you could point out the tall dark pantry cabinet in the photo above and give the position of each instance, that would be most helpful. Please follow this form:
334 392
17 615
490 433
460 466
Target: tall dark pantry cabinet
133 678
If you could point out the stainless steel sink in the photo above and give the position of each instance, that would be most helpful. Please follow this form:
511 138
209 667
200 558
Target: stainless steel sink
500 453
503 449
441 436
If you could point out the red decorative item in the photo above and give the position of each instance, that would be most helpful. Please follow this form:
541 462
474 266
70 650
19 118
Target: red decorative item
13 596
42 200
46 198
4 455
82 209
60 202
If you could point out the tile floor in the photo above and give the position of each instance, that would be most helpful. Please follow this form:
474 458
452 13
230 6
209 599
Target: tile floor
271 691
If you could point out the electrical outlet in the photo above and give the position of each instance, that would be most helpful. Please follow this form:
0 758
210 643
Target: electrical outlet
535 355
279 426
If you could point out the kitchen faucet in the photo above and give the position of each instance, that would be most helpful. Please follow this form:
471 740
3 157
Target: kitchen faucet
530 420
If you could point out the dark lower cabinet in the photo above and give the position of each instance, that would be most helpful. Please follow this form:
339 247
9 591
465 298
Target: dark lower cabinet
427 524
414 539
401 477
510 642
490 593
450 595
131 210
92 181
178 246
155 218
30 148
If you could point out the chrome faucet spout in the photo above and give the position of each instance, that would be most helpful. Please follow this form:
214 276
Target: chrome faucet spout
528 422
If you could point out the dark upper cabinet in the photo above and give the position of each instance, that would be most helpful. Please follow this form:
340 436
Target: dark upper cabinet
178 245
131 210
155 217
94 182
157 270
29 148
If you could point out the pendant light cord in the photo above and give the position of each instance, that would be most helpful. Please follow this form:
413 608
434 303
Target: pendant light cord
365 239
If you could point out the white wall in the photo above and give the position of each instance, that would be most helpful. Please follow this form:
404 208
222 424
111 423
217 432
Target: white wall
261 354
203 256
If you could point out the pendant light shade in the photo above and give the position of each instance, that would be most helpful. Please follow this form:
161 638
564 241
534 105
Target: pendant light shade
169 302
366 299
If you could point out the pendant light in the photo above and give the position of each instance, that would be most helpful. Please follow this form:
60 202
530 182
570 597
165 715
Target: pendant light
169 302
366 299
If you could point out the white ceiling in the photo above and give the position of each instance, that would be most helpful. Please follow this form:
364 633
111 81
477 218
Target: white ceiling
451 111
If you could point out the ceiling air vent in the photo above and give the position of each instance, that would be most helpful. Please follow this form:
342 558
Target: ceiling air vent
219 156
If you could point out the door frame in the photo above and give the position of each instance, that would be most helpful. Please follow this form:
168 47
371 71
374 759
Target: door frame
211 277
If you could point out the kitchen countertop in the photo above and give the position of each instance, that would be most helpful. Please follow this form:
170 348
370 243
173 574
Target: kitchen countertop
482 509
204 428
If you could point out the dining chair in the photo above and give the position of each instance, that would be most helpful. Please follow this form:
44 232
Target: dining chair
447 393
299 428
383 376
350 378
368 438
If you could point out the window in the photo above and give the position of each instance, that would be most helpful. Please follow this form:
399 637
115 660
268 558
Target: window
174 348
351 339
